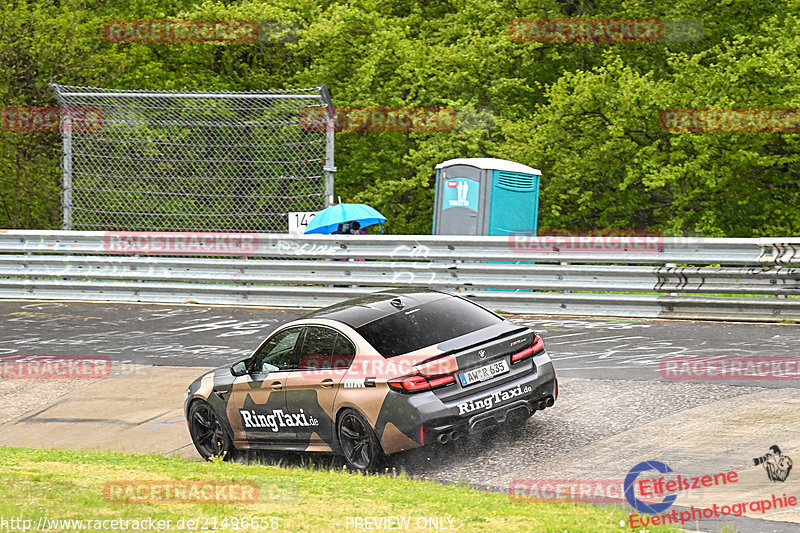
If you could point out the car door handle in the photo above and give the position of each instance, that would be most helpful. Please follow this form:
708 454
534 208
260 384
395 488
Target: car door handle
327 383
277 385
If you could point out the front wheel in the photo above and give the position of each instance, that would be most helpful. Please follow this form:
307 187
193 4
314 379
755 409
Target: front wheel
209 437
358 442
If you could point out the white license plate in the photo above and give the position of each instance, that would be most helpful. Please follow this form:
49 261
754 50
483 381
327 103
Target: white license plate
483 373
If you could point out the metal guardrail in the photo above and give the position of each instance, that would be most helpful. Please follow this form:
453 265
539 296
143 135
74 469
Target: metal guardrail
698 278
779 250
698 251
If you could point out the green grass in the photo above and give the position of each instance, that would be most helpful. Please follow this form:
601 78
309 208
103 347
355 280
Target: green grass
60 484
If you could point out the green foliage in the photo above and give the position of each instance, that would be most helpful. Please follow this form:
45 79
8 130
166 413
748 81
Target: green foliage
62 485
585 113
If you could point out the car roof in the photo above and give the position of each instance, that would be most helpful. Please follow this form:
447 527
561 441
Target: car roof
365 309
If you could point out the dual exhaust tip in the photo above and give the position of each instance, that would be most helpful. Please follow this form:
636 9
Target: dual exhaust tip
447 436
547 402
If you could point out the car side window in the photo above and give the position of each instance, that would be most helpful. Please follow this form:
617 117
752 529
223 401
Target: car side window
279 352
318 345
343 352
325 348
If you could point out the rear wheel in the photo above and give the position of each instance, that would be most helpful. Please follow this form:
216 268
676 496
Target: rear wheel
358 442
209 437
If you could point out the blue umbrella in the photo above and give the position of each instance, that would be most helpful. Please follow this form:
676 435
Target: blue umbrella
327 221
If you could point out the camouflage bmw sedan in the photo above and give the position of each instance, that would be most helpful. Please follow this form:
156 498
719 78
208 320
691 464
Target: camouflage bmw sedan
373 376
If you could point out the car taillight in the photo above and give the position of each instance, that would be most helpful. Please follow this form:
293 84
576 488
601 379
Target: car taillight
420 383
538 346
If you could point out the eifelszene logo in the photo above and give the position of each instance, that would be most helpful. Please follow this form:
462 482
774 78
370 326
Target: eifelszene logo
668 487
639 505
776 464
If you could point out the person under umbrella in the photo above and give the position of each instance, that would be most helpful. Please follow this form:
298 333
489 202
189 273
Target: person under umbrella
332 220
350 228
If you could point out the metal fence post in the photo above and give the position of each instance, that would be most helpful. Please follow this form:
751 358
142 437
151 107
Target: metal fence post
66 167
330 127
66 164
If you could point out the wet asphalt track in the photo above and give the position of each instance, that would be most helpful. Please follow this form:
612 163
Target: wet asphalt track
213 336
608 364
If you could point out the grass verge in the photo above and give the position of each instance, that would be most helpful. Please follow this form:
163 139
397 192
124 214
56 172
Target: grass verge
62 485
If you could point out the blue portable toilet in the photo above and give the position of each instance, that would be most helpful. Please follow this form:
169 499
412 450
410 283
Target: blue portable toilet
485 196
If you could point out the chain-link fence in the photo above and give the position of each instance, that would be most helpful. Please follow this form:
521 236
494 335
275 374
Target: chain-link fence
205 161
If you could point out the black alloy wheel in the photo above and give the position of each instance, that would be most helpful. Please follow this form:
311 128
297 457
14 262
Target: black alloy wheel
208 435
357 440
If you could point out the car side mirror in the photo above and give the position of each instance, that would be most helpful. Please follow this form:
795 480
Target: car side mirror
240 368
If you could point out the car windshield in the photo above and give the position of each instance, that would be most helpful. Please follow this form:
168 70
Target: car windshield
426 325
